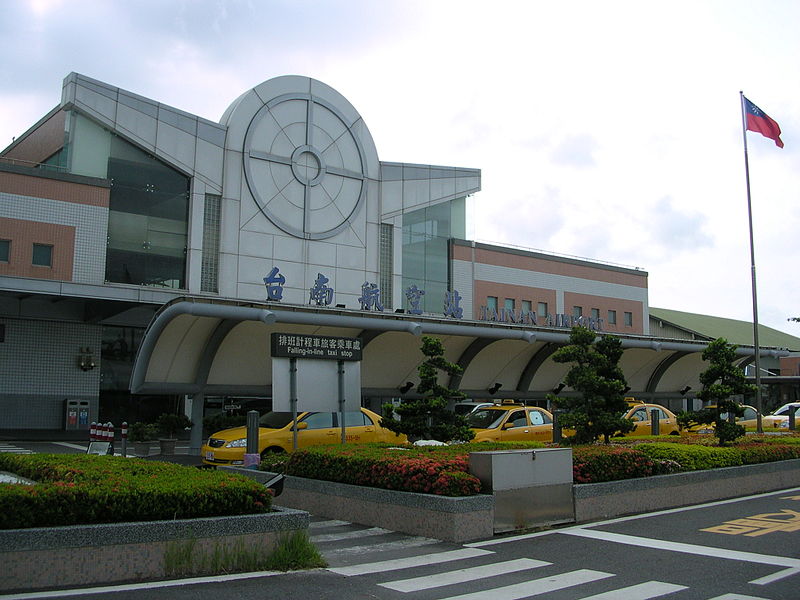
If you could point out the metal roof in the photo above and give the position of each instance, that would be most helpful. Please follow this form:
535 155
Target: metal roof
736 332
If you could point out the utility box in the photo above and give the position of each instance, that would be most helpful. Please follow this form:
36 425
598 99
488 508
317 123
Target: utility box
76 415
531 488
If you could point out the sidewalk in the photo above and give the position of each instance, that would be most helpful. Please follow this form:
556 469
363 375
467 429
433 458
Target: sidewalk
44 435
182 455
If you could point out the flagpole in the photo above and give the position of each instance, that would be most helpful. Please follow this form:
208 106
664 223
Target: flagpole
759 427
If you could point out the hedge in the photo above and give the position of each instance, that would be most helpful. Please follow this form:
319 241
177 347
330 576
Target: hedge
441 470
76 489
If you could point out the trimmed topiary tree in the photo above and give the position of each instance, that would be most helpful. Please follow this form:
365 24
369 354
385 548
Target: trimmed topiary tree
721 381
428 417
599 408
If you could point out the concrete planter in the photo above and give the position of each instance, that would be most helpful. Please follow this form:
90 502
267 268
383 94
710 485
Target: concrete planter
473 517
594 501
428 515
46 557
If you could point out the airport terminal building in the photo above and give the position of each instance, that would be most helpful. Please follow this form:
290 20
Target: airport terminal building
147 254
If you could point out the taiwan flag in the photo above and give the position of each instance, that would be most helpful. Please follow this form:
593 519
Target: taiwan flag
758 120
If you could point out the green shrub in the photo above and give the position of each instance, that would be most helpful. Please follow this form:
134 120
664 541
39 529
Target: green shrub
693 457
142 432
84 488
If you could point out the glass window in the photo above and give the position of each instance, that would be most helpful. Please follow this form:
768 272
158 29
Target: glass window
518 418
577 311
628 319
527 306
5 250
542 309
491 302
209 269
275 420
536 417
595 313
354 419
426 235
147 220
486 418
320 420
612 317
509 304
42 255
749 413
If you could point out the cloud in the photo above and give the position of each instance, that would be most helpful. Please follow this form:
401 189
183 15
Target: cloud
678 230
575 151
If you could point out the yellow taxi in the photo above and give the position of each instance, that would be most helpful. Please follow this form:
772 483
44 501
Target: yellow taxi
748 420
510 422
641 416
275 434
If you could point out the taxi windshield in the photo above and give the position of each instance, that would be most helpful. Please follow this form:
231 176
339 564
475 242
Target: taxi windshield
275 420
486 418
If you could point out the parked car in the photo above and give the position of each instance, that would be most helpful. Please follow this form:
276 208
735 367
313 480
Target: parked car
275 434
464 408
509 422
778 420
749 416
640 414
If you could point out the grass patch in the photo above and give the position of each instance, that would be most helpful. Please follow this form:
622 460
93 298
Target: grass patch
293 552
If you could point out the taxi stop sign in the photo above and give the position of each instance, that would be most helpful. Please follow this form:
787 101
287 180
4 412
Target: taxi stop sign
315 373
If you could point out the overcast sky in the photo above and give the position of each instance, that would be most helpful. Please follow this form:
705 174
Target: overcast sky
604 130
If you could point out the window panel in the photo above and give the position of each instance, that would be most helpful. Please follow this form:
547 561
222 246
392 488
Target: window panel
42 255
5 250
628 319
612 317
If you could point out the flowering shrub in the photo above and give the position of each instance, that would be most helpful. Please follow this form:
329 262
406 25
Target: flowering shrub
430 470
593 464
84 488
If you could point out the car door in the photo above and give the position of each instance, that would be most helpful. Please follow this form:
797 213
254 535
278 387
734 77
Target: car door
541 425
666 423
319 430
641 420
516 427
359 427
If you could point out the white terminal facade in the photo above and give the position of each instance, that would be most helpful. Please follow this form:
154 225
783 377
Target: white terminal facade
115 207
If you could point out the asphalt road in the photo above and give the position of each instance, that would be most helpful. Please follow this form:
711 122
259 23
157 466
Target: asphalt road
742 549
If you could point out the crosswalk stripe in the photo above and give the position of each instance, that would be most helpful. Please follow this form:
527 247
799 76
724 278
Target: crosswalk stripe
348 535
641 591
414 542
328 523
737 597
536 586
412 561
463 575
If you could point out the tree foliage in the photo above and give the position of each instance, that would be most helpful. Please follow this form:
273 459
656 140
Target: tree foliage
429 417
721 381
599 408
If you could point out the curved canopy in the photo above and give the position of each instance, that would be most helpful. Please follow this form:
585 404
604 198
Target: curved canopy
222 348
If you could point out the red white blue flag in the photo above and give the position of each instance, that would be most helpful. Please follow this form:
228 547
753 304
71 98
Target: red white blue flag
758 120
